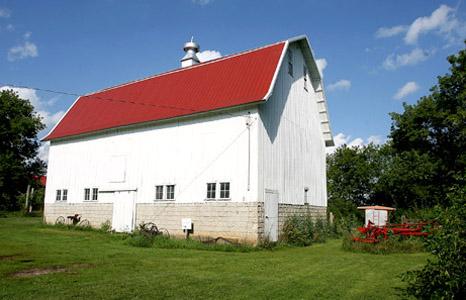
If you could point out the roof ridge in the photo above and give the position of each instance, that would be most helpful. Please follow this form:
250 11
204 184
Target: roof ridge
186 68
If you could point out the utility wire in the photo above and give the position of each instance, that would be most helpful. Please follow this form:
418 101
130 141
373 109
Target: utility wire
216 158
92 96
97 97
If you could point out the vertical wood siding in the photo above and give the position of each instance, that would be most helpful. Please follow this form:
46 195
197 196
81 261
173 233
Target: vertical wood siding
291 145
187 154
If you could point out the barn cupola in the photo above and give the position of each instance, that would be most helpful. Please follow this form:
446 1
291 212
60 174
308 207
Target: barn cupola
190 58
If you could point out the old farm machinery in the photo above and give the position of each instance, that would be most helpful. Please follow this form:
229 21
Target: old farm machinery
377 228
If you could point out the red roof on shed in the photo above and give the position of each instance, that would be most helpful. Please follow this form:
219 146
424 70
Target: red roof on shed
226 82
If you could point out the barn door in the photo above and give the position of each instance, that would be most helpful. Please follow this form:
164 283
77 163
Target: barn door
123 211
271 215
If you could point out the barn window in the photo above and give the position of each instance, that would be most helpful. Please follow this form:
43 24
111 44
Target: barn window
64 195
290 62
87 194
211 190
224 190
58 195
170 192
158 192
95 192
305 77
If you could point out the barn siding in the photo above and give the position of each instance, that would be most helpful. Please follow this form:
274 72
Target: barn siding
291 145
188 154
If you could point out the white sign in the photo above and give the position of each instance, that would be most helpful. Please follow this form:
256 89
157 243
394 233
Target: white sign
186 224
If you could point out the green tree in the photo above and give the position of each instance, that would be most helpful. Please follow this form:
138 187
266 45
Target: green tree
429 139
444 277
354 178
19 125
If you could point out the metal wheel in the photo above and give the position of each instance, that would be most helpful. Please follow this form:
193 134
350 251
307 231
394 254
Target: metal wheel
84 223
164 232
150 228
60 220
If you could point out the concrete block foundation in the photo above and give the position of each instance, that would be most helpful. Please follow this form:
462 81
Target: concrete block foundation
240 221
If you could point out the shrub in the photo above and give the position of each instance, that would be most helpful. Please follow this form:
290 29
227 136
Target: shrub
106 226
302 230
445 276
140 240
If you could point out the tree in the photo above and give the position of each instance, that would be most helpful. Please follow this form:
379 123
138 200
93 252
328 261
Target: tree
429 139
19 125
354 178
444 277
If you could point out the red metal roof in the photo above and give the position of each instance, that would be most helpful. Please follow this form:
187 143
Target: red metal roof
226 82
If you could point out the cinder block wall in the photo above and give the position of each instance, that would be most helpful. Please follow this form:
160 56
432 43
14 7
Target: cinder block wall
287 210
96 213
234 220
242 221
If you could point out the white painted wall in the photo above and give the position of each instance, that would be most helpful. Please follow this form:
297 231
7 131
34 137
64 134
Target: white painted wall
188 154
291 144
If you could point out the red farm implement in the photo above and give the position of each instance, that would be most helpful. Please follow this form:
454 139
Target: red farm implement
372 234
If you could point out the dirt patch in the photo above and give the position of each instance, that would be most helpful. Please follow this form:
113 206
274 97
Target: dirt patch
38 271
50 270
8 257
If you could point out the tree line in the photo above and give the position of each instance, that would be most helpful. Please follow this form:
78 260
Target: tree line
423 159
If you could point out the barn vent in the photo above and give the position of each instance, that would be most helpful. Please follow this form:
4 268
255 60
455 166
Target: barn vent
190 58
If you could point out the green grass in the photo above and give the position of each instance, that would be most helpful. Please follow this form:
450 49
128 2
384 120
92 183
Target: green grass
101 265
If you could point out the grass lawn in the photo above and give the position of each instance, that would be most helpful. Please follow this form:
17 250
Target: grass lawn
98 265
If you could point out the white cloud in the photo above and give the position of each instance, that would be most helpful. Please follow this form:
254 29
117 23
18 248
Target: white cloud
23 51
405 90
384 32
24 93
342 84
43 152
42 107
342 139
441 19
375 139
202 2
208 55
393 61
50 119
4 13
321 65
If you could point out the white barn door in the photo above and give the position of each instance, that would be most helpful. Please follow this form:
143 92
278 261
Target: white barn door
271 215
123 211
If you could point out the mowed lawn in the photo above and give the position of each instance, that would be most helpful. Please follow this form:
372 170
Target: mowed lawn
97 265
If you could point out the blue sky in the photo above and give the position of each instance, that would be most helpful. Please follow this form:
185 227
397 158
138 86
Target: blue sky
376 54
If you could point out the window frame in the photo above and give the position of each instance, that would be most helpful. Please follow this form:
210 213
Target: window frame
170 192
225 192
58 195
87 194
157 194
64 195
211 192
95 194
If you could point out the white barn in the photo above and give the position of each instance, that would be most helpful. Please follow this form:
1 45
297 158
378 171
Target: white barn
235 144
